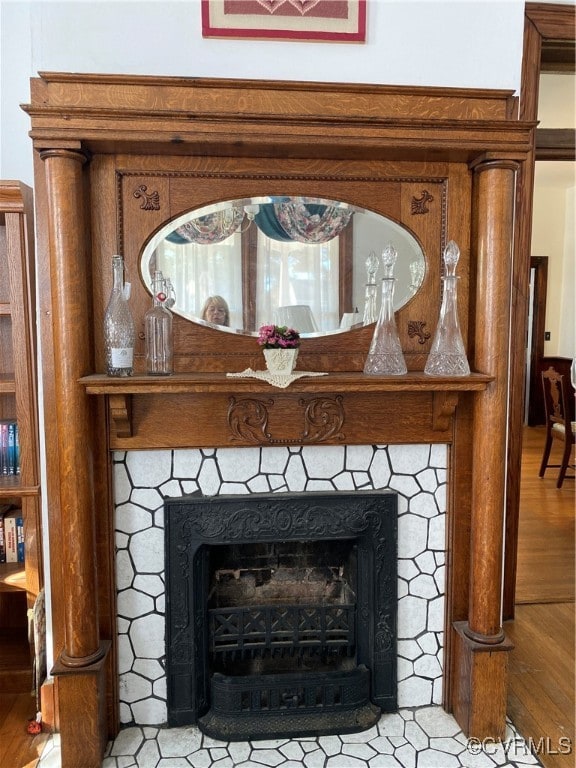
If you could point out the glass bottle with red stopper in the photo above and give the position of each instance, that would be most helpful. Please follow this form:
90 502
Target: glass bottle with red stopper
158 331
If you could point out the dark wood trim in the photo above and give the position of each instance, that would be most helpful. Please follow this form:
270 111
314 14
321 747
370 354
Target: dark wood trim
345 262
543 23
555 24
558 57
556 144
535 402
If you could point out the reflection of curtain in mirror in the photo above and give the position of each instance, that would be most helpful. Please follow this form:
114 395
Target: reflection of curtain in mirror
298 273
311 223
198 271
209 229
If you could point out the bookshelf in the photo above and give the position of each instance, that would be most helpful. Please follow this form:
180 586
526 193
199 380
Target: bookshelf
19 582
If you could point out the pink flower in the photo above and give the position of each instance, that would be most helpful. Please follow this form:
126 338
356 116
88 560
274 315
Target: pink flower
278 337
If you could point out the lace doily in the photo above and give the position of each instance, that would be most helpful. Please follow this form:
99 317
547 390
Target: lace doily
281 380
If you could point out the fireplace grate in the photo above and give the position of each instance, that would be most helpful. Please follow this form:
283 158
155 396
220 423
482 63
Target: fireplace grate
310 704
268 629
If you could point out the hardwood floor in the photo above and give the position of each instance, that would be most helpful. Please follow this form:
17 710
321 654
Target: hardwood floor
18 749
546 528
541 689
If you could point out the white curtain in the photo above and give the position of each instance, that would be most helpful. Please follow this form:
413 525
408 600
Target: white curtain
287 273
293 273
198 271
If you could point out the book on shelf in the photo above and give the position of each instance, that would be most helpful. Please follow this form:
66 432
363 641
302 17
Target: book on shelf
9 447
4 508
13 528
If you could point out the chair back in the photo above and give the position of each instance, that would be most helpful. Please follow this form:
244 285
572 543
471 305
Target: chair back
556 394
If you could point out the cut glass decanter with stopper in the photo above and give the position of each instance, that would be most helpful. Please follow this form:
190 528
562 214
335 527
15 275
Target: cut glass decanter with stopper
447 355
385 356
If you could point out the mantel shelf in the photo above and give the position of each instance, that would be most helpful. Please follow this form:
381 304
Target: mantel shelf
131 401
340 382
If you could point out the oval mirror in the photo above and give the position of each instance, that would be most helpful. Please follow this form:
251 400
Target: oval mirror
309 263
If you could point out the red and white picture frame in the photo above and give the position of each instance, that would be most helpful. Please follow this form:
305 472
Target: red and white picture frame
312 20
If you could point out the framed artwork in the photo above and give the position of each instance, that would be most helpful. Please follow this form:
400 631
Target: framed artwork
314 20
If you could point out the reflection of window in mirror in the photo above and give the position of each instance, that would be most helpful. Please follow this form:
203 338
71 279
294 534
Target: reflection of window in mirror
268 274
291 274
201 270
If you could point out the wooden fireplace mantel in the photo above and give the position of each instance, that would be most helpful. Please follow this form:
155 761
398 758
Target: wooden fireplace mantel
132 401
116 157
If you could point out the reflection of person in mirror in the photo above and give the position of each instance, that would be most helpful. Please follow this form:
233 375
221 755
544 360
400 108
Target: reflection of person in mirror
215 310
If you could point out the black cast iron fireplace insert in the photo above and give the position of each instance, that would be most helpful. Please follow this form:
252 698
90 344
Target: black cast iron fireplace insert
281 612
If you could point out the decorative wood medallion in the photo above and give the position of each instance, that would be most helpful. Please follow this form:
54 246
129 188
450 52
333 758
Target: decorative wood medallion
420 204
150 200
416 328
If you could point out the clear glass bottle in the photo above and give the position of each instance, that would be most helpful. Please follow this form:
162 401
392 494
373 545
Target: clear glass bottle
447 355
119 325
385 356
158 331
370 310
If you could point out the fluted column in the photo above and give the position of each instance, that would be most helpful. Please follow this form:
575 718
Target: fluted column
71 331
494 240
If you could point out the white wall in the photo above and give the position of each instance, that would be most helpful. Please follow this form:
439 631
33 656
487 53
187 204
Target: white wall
553 222
553 236
463 43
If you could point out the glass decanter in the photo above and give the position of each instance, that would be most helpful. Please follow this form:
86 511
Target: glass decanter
385 355
447 355
119 325
370 312
158 331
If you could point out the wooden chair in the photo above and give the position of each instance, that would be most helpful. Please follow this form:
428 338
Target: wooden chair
557 394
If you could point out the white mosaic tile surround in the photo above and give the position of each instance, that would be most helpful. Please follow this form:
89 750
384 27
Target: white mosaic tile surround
143 478
425 737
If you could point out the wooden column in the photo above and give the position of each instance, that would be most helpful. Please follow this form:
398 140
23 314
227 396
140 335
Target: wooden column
80 668
494 254
71 326
480 701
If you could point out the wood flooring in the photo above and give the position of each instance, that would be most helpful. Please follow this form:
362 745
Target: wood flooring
545 567
541 685
541 690
18 749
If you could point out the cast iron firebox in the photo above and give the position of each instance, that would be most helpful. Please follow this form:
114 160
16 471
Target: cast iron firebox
281 612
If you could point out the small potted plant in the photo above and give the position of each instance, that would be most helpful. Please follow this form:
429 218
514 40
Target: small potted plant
280 346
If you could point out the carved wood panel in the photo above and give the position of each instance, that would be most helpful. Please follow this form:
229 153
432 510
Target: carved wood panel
178 184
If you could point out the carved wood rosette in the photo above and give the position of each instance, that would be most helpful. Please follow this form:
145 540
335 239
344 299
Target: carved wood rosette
416 328
322 419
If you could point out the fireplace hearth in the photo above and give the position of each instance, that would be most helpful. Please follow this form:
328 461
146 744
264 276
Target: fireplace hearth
281 612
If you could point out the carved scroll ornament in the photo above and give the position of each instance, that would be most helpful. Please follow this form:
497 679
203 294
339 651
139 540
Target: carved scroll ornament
420 204
150 200
322 420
